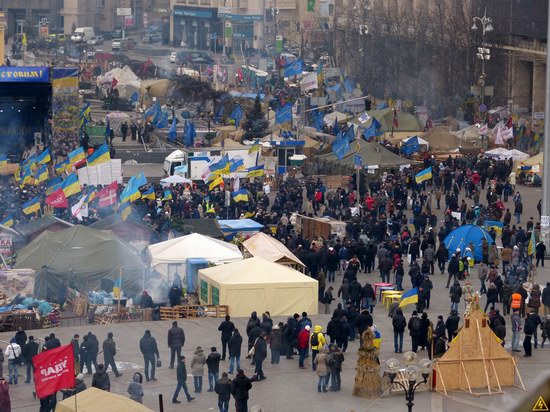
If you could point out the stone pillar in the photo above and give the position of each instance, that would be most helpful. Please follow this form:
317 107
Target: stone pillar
539 86
3 27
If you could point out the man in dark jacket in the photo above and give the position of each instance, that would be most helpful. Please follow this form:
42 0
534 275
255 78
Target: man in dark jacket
260 353
253 323
101 379
213 364
181 374
92 349
226 328
439 328
452 269
545 299
76 347
399 323
176 340
414 327
223 389
234 349
355 293
53 343
364 321
451 324
148 347
29 351
352 315
109 352
335 367
239 389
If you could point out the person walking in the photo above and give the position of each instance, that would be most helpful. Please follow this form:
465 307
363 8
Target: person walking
92 349
492 296
529 329
5 401
455 294
399 323
317 341
234 348
213 365
135 388
101 380
30 351
451 324
223 389
545 328
260 353
149 348
327 299
181 375
415 326
335 365
12 354
516 329
109 352
176 341
321 363
197 368
545 299
240 386
275 343
226 328
452 269
303 345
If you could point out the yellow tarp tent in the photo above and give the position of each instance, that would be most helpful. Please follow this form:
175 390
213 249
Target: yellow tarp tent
93 400
257 284
269 248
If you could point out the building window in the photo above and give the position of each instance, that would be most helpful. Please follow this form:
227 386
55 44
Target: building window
204 291
215 295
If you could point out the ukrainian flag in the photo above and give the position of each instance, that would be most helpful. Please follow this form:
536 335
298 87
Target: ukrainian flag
85 114
532 244
76 156
116 287
3 160
8 221
41 175
248 215
27 177
216 182
101 155
125 209
53 185
60 167
424 175
221 165
138 180
91 195
236 165
130 194
17 174
167 195
240 195
255 171
149 194
409 297
255 147
44 157
498 226
71 185
31 206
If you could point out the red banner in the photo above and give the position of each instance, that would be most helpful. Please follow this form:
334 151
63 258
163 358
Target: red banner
57 199
54 370
108 195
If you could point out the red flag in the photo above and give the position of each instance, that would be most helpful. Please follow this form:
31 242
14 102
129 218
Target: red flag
108 195
54 370
509 123
114 82
395 120
57 199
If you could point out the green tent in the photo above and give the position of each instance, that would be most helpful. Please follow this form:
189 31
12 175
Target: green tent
406 122
83 257
372 154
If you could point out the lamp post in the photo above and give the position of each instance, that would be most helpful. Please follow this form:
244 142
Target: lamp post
483 53
413 373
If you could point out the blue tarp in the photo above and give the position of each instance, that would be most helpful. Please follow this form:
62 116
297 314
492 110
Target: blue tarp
461 237
193 265
233 226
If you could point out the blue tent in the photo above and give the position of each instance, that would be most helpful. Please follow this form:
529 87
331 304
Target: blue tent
461 237
246 227
193 267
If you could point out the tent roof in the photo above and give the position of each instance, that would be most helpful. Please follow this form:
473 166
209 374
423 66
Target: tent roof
407 122
206 227
176 155
40 224
254 271
331 117
269 248
372 153
93 399
239 224
506 154
469 134
228 143
193 246
535 160
441 139
420 140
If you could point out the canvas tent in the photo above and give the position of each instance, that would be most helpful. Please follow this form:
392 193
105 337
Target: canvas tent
406 122
330 118
372 153
243 227
441 140
127 83
468 134
116 119
461 237
269 248
82 256
257 284
504 154
536 162
93 400
171 256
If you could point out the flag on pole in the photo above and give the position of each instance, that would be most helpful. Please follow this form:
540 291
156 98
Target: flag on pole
240 195
100 155
8 221
80 210
255 171
71 185
409 297
532 244
341 147
125 210
424 175
31 206
108 195
215 182
172 133
54 370
44 157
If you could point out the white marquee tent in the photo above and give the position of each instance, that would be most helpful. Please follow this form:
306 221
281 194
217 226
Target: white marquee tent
257 284
502 154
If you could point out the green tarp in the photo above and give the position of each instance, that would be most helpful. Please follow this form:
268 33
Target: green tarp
83 257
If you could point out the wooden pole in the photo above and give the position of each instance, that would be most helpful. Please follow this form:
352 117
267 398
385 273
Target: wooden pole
483 356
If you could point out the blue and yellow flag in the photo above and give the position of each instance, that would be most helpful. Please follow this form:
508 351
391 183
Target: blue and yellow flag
424 175
130 194
255 171
236 165
216 182
53 185
60 167
495 224
409 297
71 185
255 147
240 195
8 221
149 194
101 155
31 206
167 195
41 175
91 195
125 209
532 244
220 165
138 180
44 157
117 286
76 155
3 160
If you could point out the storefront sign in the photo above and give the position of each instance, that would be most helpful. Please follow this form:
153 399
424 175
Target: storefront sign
25 74
241 17
203 14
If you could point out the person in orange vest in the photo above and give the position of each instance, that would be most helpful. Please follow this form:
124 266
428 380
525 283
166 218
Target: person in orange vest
516 301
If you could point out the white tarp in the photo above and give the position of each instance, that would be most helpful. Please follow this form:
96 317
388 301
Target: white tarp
127 81
174 180
309 82
503 154
101 174
116 119
330 118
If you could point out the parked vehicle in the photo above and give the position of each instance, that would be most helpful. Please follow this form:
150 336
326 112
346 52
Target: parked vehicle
173 57
193 57
96 40
116 44
83 34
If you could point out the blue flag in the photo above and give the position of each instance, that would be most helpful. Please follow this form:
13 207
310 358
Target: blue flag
341 147
372 131
172 133
317 120
410 146
108 128
135 97
284 113
336 128
162 121
350 134
152 112
237 115
294 68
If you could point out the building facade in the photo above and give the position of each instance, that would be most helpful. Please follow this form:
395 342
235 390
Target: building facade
27 16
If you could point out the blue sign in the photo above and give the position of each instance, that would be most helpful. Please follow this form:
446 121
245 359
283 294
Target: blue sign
358 162
204 14
241 17
25 74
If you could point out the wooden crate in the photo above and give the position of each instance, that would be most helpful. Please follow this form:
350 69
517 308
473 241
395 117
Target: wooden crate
170 313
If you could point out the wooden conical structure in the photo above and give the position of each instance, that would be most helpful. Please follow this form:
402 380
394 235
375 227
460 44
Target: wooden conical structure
368 383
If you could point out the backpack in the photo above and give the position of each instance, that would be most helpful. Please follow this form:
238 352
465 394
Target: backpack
460 266
315 339
415 326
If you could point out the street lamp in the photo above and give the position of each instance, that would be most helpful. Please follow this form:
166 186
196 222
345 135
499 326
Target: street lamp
413 373
483 53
